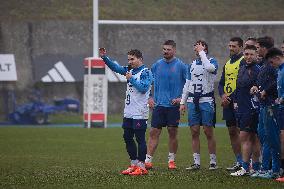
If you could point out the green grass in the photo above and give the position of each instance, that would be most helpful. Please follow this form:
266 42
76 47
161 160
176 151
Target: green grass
44 157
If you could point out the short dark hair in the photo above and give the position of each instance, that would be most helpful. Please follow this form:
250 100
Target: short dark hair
251 39
170 42
250 47
273 52
239 40
136 53
204 44
266 42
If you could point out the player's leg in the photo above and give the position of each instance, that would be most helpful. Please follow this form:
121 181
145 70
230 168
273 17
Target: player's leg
158 121
131 148
194 125
280 119
140 131
172 117
273 135
255 143
234 134
208 112
246 143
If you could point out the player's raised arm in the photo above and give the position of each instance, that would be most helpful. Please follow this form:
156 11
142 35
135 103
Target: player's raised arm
113 65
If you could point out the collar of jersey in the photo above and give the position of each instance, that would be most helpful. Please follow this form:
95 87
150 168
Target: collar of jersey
136 70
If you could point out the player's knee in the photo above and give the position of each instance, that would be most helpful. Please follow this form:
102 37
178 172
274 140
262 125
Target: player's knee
195 133
154 133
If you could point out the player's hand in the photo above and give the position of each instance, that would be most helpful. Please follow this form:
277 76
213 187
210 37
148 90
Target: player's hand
199 47
254 90
128 75
225 101
262 94
102 52
182 109
151 103
176 101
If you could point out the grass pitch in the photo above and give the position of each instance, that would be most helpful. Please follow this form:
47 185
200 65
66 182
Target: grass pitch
46 157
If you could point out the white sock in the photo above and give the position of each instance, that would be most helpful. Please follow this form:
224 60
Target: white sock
212 158
148 159
171 156
196 158
134 162
141 164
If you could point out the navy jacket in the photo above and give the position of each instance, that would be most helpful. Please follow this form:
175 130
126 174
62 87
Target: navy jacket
247 77
267 80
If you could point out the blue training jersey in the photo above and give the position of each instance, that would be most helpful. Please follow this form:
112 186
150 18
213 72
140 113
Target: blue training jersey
169 79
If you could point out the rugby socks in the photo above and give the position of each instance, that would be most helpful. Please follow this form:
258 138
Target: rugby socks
196 158
134 162
256 166
171 156
245 165
148 159
213 159
239 158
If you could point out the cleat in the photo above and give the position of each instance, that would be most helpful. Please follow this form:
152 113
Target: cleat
149 165
193 167
236 166
281 179
139 171
256 174
239 173
129 170
269 175
172 165
213 166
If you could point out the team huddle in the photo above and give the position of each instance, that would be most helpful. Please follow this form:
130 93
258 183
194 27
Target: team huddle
252 96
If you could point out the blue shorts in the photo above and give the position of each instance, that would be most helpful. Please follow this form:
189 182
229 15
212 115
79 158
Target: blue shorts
247 122
129 123
229 115
165 117
203 116
280 117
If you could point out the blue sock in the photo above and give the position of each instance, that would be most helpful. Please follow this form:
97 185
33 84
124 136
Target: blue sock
245 165
256 166
239 158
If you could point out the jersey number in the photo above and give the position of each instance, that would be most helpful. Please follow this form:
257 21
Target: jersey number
229 88
127 99
197 88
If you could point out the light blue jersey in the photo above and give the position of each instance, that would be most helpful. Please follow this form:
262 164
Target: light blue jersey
169 79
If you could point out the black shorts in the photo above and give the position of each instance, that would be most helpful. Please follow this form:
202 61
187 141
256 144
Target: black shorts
129 123
247 121
165 117
229 115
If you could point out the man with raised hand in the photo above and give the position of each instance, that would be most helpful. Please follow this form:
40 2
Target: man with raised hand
198 92
136 111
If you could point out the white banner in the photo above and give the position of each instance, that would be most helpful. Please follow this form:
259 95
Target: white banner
7 68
